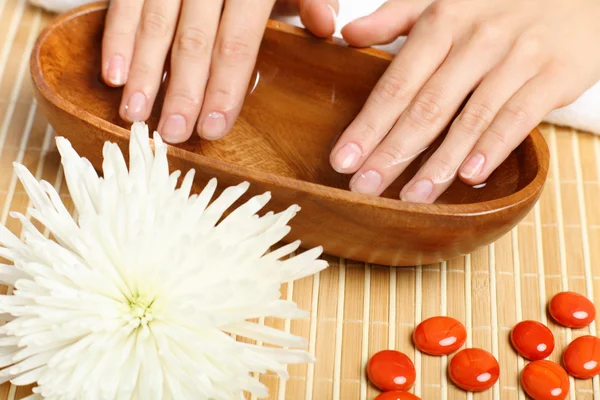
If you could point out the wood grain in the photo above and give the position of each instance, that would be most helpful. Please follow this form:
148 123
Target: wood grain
356 308
305 92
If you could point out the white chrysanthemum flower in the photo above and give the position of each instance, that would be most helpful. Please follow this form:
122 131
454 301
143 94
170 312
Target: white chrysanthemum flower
140 296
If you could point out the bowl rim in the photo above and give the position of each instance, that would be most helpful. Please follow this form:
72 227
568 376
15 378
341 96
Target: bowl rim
529 192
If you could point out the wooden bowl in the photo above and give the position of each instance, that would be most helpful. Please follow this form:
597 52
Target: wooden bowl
304 92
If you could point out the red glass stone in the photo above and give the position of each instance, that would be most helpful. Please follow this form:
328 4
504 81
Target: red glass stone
582 357
391 370
572 310
545 380
397 395
532 340
438 336
474 370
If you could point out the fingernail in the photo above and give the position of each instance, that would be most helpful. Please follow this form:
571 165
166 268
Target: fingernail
367 183
346 158
214 126
116 71
135 106
473 167
334 13
174 129
418 192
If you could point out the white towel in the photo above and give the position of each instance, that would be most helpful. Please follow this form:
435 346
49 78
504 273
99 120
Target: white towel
59 6
583 114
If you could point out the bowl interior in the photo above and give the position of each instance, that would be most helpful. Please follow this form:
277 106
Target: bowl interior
302 95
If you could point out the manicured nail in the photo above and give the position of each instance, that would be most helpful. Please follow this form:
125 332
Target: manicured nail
418 192
174 129
346 157
334 13
473 167
135 106
116 71
367 183
214 126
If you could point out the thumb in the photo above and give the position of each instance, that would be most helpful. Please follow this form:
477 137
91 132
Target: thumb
318 16
393 19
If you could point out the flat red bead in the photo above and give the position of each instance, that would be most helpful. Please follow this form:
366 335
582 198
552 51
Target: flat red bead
397 395
582 357
532 340
545 380
391 370
438 336
572 310
474 370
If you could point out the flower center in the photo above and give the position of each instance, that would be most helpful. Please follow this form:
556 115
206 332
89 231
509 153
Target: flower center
141 310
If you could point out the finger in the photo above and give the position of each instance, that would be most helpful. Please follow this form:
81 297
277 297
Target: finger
152 45
515 120
319 16
386 24
425 118
493 92
424 51
233 60
122 19
190 64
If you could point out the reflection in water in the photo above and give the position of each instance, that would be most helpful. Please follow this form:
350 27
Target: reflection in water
393 163
256 80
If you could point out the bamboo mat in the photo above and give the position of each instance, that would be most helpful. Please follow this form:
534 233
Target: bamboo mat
358 309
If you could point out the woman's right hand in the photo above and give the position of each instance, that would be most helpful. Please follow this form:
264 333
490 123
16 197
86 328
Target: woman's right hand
213 46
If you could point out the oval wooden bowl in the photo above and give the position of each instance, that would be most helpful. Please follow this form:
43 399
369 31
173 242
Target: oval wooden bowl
304 92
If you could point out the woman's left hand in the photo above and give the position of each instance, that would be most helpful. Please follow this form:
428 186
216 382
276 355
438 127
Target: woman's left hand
520 59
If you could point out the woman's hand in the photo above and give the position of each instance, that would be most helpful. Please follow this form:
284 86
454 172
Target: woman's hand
520 58
213 46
